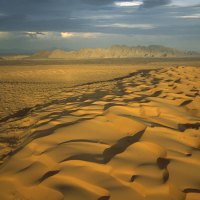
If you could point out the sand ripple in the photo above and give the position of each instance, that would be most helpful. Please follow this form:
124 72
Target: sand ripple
132 138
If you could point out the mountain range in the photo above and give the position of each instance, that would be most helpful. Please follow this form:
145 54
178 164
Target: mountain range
116 51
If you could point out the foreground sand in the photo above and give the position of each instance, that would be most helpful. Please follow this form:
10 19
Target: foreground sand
133 138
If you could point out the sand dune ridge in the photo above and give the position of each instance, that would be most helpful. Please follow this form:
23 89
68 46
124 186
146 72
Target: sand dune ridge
132 138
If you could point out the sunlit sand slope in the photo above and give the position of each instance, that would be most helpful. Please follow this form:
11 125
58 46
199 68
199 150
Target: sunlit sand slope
133 138
23 87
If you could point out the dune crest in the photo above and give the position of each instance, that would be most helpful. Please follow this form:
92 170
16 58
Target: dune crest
132 138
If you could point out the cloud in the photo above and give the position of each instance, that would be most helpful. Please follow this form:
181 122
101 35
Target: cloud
185 3
67 22
92 35
128 26
66 35
155 3
98 2
128 3
195 16
34 35
88 35
4 34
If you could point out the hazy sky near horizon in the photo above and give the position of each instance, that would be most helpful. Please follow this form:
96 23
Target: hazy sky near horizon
32 25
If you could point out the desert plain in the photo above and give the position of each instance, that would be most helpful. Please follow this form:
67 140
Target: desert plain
107 129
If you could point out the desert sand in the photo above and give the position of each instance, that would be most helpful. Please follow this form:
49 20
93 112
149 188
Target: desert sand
135 138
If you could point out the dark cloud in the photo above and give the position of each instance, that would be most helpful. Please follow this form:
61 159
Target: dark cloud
155 3
96 16
98 2
33 35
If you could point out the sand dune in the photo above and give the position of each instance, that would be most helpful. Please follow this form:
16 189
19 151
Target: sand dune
132 138
23 87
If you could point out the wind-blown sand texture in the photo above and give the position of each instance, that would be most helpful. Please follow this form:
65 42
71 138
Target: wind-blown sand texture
23 87
132 138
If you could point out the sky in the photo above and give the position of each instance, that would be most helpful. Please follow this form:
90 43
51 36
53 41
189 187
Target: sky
27 26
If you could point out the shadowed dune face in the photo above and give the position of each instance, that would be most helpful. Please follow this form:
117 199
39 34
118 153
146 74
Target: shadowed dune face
132 138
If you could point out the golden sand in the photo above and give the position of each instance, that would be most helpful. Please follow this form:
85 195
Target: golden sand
135 138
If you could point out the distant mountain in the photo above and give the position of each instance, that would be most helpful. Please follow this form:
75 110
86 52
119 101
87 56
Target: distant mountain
116 51
41 55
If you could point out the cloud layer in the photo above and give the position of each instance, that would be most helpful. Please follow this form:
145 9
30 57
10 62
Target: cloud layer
26 20
155 3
